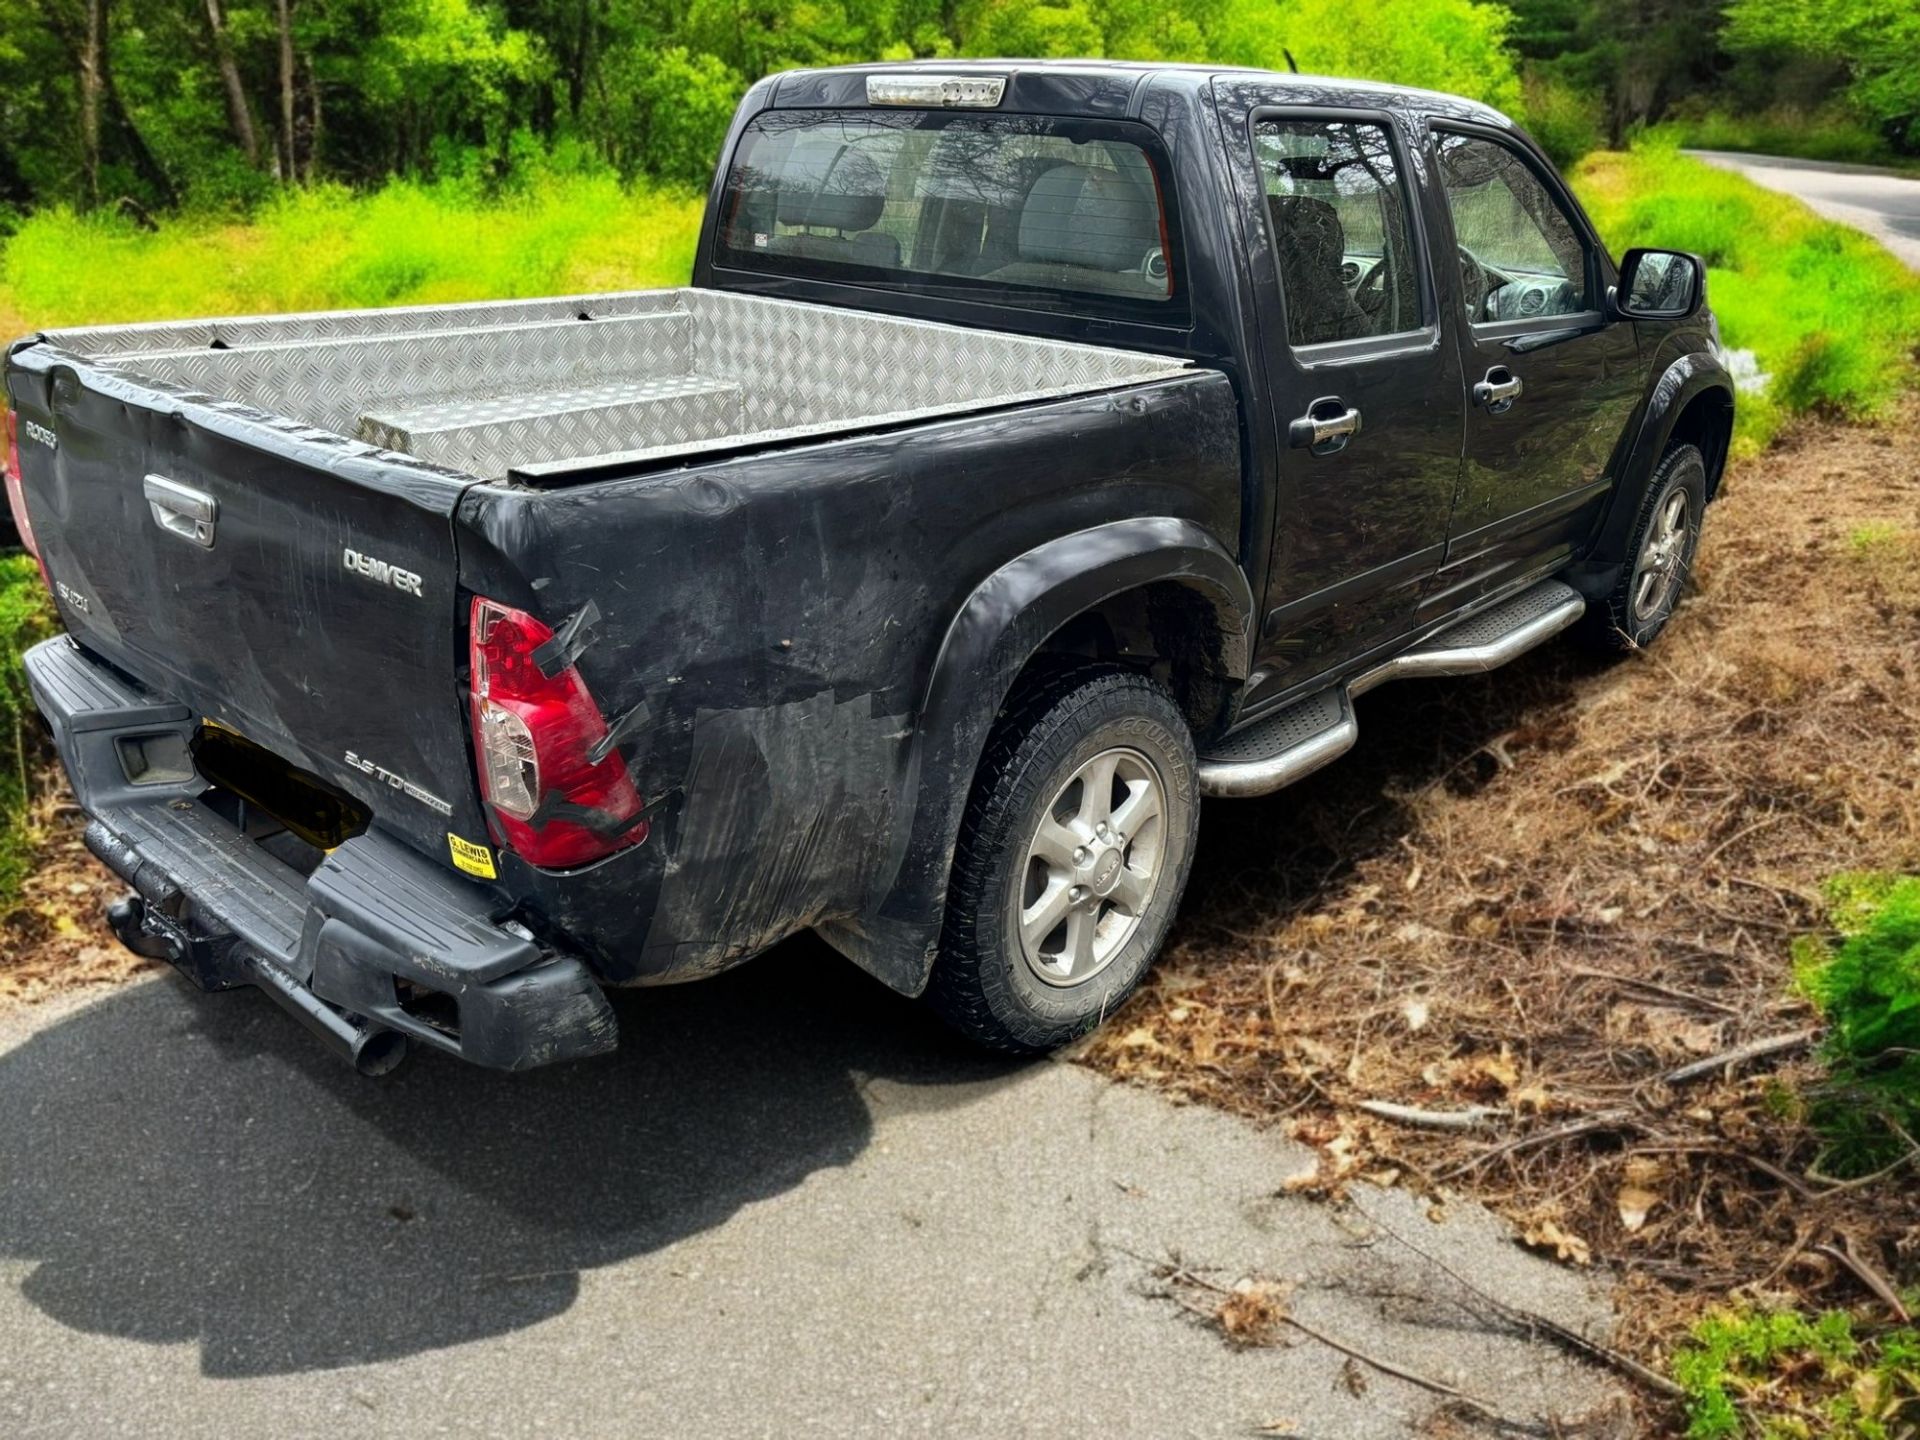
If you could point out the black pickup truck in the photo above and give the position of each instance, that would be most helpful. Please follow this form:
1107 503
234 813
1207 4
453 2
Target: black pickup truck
1038 448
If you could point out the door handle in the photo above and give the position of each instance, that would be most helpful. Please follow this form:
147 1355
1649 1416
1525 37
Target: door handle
1326 427
1498 391
181 510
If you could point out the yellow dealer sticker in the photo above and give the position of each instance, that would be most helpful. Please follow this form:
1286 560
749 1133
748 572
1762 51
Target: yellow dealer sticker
472 858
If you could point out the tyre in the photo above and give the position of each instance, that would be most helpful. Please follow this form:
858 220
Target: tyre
1665 537
1073 853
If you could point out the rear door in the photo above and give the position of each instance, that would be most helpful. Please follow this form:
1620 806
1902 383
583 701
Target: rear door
289 584
1552 381
1364 387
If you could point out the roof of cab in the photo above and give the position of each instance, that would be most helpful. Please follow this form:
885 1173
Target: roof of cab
1074 86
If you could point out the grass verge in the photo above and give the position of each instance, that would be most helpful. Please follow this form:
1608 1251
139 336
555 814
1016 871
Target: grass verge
1826 134
329 248
1831 316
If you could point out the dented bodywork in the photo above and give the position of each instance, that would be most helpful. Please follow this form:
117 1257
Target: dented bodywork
819 639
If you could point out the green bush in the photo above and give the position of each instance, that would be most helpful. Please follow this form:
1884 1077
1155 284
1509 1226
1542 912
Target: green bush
25 617
668 112
1876 42
1866 984
1565 120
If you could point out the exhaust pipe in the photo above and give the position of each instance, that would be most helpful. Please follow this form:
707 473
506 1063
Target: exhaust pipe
370 1049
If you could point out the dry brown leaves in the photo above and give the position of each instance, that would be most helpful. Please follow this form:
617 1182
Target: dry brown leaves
1540 892
53 942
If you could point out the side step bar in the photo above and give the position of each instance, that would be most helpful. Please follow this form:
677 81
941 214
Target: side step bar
1280 748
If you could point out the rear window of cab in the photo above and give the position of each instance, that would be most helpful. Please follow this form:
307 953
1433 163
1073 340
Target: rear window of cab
1045 213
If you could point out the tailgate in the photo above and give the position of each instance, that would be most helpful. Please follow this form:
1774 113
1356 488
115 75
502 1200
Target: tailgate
281 580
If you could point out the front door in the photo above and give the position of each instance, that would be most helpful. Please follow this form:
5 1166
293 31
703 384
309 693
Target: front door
1552 382
1364 384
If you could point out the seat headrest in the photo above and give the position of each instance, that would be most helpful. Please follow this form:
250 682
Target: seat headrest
829 209
1308 230
830 187
1077 215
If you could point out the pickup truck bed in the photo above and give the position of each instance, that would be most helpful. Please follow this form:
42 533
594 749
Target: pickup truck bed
548 390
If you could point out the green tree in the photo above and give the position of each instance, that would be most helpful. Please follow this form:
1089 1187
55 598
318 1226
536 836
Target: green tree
1455 45
1876 41
664 112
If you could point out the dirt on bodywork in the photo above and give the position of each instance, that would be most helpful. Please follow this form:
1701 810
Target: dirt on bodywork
1487 953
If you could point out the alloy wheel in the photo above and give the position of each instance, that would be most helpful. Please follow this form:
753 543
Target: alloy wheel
1092 867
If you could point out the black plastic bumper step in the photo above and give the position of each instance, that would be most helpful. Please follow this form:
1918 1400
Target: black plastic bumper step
350 949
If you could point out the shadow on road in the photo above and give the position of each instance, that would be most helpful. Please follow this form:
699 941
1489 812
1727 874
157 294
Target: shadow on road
191 1168
185 1168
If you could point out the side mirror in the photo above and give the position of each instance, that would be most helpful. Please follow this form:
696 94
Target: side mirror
1660 285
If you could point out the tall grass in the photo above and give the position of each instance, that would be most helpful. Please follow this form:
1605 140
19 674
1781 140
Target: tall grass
1829 313
1829 134
330 248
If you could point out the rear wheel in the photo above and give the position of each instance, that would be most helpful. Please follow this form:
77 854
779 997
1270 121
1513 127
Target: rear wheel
1072 857
1665 537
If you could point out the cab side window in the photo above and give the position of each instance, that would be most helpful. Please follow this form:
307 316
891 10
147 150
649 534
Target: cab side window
1337 210
1521 256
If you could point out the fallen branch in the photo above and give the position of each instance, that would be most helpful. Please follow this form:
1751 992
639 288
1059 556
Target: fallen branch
1412 1377
1180 1275
1471 1118
1868 1276
1566 1130
1652 987
1563 1335
1740 1054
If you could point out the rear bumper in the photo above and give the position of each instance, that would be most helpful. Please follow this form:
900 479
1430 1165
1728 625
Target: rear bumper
376 947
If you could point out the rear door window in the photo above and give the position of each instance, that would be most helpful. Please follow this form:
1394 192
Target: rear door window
1337 209
1054 214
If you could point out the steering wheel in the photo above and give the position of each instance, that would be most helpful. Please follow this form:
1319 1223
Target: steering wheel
1476 283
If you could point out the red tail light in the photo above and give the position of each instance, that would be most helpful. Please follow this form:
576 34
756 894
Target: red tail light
16 495
534 735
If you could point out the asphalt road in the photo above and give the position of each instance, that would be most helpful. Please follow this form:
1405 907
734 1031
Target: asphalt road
788 1206
1884 203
